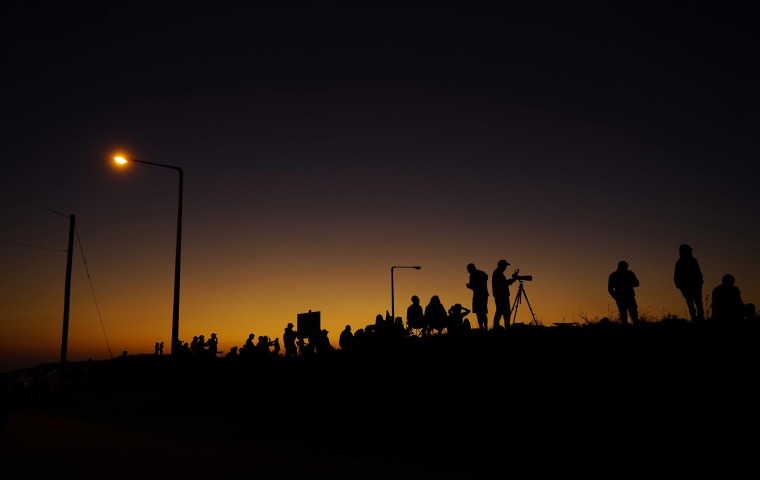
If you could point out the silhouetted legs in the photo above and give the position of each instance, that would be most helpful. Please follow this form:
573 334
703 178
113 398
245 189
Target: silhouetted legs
626 306
502 310
480 309
694 303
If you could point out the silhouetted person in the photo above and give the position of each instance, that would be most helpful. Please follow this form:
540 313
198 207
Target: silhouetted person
263 346
435 314
157 347
750 311
161 348
500 286
415 317
276 347
303 347
194 345
346 339
456 318
620 285
359 338
727 304
479 285
289 339
249 346
322 344
201 345
384 326
399 331
232 353
688 279
213 345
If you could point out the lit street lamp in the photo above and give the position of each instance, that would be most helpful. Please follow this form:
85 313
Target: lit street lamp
178 253
393 304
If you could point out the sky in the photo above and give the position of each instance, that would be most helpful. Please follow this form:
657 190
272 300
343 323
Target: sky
323 144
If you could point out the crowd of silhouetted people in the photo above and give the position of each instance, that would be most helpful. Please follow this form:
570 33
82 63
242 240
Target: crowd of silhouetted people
294 344
726 305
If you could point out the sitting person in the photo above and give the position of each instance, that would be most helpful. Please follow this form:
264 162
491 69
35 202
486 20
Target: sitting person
435 315
456 317
415 318
727 304
346 339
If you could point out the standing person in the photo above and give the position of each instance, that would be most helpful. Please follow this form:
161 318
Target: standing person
202 345
688 279
479 285
500 286
289 339
620 285
212 344
727 304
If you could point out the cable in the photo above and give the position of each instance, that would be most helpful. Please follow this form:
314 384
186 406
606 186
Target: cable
33 203
38 206
79 241
32 246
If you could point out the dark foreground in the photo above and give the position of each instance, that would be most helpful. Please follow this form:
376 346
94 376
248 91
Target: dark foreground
666 400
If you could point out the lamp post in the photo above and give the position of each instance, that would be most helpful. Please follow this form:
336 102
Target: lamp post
393 304
178 252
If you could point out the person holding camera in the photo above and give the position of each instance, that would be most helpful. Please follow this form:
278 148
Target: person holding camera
500 286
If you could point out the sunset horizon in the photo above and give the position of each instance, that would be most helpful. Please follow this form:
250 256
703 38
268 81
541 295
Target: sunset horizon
321 147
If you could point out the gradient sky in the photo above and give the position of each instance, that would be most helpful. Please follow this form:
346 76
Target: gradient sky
323 145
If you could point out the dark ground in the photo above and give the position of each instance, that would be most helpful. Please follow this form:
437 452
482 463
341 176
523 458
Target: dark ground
664 400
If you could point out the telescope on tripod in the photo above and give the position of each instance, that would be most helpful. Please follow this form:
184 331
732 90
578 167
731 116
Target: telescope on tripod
520 295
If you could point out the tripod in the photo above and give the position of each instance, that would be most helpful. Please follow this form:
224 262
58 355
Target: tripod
518 300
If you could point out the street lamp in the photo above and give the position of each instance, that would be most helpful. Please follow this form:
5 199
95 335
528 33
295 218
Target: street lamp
393 304
178 252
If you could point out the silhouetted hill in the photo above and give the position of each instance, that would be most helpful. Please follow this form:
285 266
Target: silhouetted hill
665 400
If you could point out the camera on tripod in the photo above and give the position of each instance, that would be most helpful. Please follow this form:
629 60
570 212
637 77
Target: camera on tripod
516 276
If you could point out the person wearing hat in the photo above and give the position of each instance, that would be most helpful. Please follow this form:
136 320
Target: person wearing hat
322 343
688 279
500 286
346 339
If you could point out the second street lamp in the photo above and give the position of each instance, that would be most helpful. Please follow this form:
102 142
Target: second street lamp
178 251
393 304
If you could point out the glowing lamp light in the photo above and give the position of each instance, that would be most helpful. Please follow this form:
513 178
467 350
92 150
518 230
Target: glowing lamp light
122 160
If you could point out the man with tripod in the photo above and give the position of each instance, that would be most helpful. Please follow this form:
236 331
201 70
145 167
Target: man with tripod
500 286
